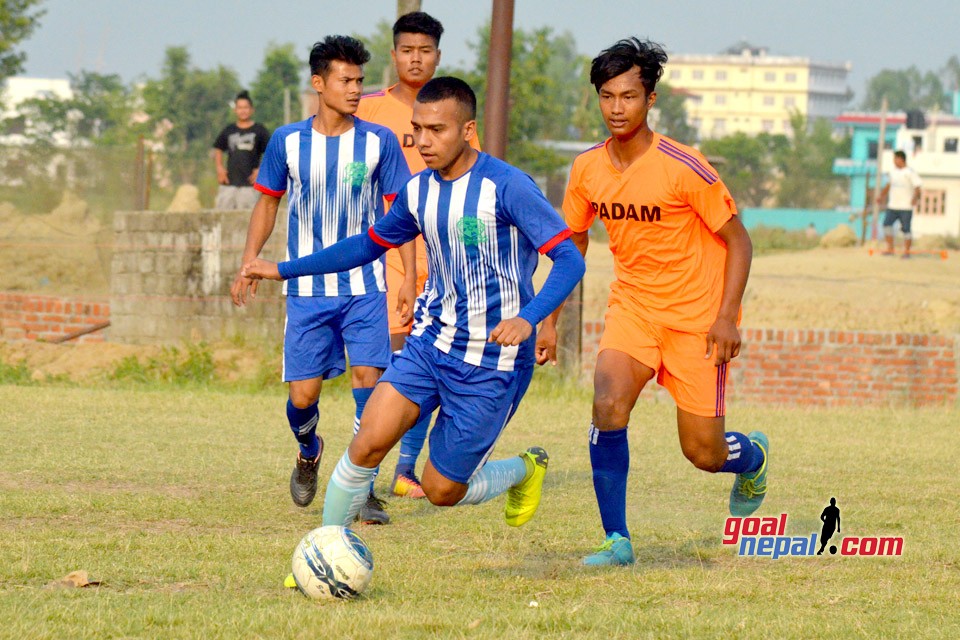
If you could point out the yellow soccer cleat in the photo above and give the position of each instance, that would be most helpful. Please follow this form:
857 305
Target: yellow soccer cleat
524 498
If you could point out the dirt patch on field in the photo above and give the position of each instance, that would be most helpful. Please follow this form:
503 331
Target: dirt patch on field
846 289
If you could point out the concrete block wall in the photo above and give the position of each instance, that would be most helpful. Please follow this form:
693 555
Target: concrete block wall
26 316
171 275
824 367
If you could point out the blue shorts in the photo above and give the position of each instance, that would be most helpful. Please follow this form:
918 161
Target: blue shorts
317 329
905 216
475 403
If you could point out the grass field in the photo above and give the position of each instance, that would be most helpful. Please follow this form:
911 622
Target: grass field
176 500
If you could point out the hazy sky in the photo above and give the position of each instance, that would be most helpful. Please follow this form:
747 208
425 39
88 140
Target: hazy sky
128 37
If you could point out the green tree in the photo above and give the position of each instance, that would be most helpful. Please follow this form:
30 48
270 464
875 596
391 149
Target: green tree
377 72
18 19
543 94
672 119
99 113
747 164
806 165
196 103
905 89
282 71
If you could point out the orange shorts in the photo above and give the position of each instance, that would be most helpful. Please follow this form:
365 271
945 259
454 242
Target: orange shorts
395 280
696 384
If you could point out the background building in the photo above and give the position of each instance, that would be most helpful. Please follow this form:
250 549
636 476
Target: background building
744 89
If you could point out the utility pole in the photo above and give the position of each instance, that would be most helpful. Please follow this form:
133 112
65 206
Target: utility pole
496 119
881 141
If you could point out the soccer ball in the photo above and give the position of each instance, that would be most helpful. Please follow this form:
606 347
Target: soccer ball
332 562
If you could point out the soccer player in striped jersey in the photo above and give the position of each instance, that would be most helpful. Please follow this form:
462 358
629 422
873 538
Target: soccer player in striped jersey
681 260
471 352
415 54
336 171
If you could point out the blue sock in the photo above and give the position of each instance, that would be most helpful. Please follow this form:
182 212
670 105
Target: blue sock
743 456
360 396
610 459
411 445
493 479
346 492
303 423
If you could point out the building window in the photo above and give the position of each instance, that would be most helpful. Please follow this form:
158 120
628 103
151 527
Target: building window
789 101
675 74
790 77
698 74
720 125
950 145
719 99
932 202
697 122
770 76
767 125
768 101
721 75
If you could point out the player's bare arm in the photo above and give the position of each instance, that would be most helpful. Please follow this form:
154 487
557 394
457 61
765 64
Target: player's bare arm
258 232
260 269
221 170
546 349
723 339
408 290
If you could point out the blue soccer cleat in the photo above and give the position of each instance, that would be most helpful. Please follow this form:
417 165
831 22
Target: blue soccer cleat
616 551
749 489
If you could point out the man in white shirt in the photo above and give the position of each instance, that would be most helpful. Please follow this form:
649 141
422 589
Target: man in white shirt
901 193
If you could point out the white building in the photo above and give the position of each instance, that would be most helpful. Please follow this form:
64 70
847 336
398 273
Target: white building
17 90
933 154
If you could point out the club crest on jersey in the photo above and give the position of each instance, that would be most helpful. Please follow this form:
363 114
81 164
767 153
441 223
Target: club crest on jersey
471 231
616 211
355 174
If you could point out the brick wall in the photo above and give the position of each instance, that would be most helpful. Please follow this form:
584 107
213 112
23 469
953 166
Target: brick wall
36 317
824 367
171 275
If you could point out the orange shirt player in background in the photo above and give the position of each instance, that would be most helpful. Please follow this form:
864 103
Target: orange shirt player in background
415 54
681 260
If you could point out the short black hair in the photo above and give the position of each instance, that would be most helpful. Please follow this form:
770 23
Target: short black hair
900 154
418 22
343 48
623 56
243 95
446 87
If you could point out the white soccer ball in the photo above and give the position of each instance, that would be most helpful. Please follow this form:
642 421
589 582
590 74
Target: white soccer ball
332 562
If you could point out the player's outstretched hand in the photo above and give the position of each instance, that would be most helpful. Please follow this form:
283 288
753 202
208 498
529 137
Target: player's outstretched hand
725 336
258 269
546 350
510 333
241 288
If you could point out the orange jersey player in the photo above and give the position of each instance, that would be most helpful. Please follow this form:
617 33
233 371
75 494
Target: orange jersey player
415 54
681 260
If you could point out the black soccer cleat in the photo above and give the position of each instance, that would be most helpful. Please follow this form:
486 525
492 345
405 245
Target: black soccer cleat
303 480
372 511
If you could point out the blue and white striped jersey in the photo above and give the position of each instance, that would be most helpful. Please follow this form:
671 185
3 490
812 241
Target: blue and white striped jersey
335 187
482 232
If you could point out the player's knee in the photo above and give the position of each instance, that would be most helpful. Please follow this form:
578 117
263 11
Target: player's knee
610 409
442 494
705 458
303 398
365 377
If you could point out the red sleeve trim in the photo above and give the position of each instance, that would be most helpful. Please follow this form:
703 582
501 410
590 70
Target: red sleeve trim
380 241
390 197
270 192
555 240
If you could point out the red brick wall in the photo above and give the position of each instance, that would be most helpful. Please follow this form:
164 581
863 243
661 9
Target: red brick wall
34 317
832 368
